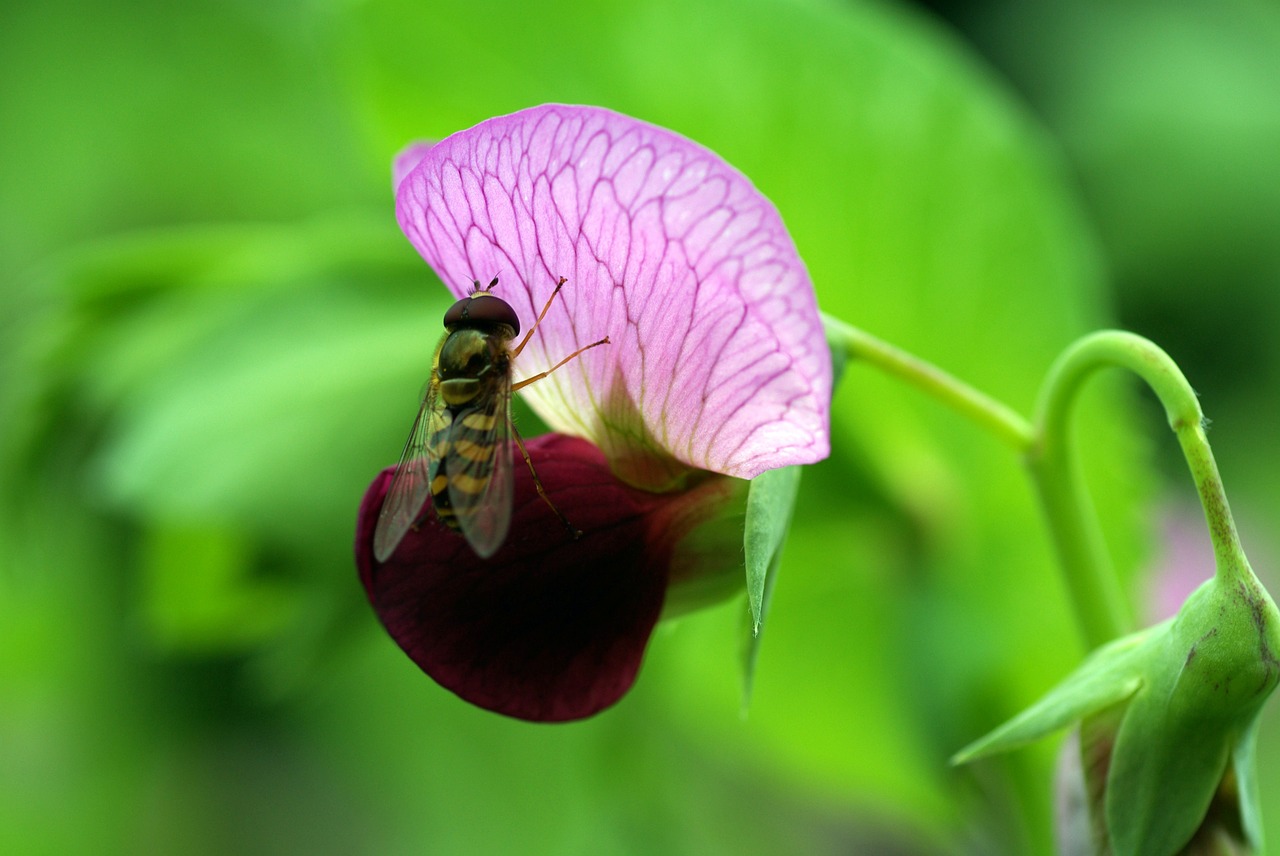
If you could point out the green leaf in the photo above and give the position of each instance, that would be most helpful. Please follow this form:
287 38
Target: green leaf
770 534
770 501
202 596
751 636
1109 675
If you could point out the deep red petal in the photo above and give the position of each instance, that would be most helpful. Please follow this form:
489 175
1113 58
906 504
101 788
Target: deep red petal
548 629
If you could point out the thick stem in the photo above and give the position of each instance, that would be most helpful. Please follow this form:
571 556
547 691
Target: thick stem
1090 578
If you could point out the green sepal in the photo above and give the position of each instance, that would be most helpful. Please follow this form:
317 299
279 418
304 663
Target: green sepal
1163 773
1110 675
1166 712
751 636
770 501
1207 680
1244 760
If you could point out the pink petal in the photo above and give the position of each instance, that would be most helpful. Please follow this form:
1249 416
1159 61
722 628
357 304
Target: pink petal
408 158
718 358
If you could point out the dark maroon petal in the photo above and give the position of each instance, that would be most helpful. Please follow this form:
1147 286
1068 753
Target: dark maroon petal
547 629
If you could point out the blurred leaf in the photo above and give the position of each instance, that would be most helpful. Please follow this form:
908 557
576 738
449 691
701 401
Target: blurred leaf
223 355
1245 764
125 116
200 598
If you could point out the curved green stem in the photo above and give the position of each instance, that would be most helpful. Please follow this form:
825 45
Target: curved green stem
1096 596
977 406
1182 408
1077 536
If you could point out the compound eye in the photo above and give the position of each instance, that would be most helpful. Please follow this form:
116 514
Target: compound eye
457 312
483 310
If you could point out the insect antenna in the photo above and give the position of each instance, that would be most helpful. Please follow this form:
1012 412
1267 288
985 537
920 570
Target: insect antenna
477 288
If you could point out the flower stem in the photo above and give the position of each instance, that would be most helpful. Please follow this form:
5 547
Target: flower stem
1182 408
1095 594
977 406
1090 578
1077 536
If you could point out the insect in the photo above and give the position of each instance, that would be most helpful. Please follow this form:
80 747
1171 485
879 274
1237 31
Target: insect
459 450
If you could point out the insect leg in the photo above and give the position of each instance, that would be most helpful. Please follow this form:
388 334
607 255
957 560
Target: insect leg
541 315
537 483
541 375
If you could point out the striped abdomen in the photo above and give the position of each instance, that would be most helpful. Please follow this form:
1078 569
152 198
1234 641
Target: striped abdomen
464 448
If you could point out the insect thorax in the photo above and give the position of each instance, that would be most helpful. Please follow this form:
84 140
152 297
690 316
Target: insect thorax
471 365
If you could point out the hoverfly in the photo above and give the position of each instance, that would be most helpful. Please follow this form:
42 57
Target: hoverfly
459 450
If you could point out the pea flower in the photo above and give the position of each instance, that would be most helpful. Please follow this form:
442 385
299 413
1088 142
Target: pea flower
1167 718
717 371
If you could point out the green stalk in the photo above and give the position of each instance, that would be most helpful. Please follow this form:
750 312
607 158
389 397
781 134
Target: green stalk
1182 408
1095 593
1077 536
989 414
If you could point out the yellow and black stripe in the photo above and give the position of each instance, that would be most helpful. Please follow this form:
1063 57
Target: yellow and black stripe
463 448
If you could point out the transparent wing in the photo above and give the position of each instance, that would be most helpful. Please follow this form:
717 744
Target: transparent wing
480 470
411 482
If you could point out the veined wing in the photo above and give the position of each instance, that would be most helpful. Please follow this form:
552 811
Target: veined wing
479 465
411 482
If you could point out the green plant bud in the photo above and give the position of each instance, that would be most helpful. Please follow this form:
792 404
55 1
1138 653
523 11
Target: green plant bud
1167 720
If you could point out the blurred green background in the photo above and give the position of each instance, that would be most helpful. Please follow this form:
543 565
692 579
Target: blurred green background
212 336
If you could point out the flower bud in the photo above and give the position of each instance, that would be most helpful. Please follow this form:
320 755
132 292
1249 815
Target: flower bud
1167 720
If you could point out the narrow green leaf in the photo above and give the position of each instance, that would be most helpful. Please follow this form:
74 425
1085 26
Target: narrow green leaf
751 636
769 503
1110 675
